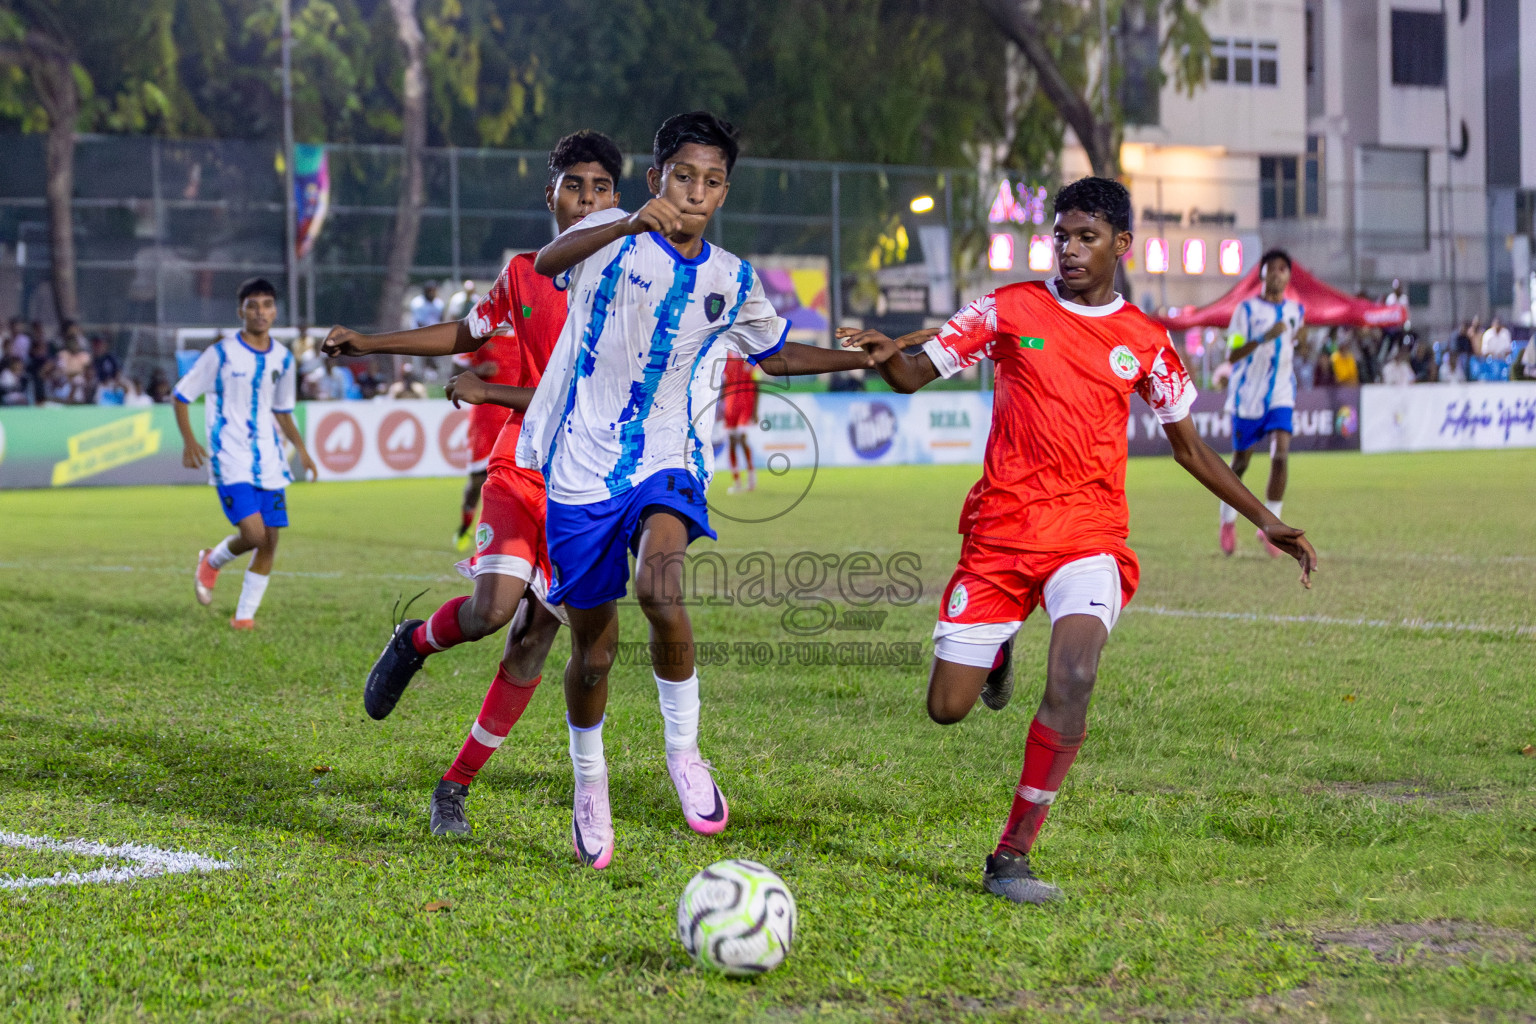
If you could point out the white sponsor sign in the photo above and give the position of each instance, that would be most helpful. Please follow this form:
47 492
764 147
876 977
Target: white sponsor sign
1445 417
381 439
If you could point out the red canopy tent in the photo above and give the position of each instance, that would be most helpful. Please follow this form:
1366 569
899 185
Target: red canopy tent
1325 306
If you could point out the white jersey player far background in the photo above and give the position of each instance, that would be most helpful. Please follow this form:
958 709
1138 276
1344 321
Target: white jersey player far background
249 384
1261 394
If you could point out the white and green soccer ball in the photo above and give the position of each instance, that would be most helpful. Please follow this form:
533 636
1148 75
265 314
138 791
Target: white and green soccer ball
737 917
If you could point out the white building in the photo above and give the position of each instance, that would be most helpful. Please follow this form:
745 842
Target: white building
1374 139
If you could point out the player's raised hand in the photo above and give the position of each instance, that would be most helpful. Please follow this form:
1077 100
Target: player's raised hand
344 341
658 215
465 387
1292 542
193 455
880 347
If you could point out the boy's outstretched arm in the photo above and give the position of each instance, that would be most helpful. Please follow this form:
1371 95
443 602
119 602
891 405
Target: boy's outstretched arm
1210 469
904 372
577 243
445 339
794 359
468 387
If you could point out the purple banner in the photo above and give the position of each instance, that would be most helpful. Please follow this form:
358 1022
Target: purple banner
1326 419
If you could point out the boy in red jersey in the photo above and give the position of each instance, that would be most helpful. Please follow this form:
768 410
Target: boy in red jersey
1047 522
738 407
496 361
511 556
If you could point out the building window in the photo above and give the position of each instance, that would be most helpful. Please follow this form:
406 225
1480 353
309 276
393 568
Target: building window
1393 207
1245 62
1312 178
1418 48
1278 197
1141 78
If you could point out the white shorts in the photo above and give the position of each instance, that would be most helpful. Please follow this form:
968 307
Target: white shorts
1086 586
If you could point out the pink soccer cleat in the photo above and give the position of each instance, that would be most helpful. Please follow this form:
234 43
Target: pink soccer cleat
242 625
205 577
592 824
1274 552
704 809
1228 538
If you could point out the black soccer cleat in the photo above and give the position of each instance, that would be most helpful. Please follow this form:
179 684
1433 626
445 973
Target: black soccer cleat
392 673
448 809
998 690
1008 874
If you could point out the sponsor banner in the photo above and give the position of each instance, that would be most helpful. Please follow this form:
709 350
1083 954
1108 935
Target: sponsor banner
1446 417
795 431
1326 419
381 439
88 445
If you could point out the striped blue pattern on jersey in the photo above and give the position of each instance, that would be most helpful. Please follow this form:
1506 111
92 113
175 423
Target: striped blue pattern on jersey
253 426
586 355
642 393
744 276
216 435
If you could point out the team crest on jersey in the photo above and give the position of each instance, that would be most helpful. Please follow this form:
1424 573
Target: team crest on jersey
483 536
714 305
958 599
1124 362
276 374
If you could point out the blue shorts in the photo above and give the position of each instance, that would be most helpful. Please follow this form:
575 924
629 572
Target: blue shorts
589 545
241 500
1247 433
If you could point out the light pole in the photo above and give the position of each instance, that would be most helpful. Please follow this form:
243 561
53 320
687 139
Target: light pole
290 258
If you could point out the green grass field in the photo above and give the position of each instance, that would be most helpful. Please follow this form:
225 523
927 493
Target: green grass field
1314 808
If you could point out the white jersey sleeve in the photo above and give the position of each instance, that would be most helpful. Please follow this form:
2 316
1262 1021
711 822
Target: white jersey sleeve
201 378
758 331
286 394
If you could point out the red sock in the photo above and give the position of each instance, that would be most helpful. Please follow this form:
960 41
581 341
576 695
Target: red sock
466 519
504 704
441 631
1047 756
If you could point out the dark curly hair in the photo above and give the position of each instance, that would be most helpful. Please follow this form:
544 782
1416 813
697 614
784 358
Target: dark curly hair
1097 197
582 147
254 286
698 126
1275 254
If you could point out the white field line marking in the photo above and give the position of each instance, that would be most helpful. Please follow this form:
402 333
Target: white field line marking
177 571
1422 625
149 862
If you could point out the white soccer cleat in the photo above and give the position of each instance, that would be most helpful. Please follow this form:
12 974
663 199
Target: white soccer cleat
592 824
704 808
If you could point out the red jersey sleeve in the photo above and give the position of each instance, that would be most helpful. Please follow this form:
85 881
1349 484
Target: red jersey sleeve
966 339
496 307
1166 386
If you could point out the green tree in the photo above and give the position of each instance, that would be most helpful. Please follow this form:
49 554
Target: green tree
73 65
1071 51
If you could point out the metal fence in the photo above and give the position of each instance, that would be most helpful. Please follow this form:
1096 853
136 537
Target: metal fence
166 229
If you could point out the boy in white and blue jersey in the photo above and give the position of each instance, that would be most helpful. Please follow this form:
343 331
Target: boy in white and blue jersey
620 427
249 383
1261 396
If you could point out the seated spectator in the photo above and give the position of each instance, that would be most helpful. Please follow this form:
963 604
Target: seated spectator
107 365
1398 371
39 368
1453 368
133 395
1322 368
20 340
1346 369
337 384
1422 358
15 389
158 389
1496 341
406 385
110 392
1528 359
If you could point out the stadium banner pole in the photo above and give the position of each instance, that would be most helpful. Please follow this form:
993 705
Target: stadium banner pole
837 257
290 228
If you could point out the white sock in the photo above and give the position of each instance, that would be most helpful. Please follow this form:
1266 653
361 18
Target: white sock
1274 507
679 711
1228 514
587 752
221 556
251 593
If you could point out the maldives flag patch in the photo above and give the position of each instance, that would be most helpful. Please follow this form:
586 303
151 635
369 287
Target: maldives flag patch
1034 343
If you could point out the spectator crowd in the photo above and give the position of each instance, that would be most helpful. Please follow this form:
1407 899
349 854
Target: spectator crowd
68 368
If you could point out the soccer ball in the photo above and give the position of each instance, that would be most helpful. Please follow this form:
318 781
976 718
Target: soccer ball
737 917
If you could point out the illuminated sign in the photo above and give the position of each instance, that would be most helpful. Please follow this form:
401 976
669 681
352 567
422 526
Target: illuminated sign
1157 256
1023 205
1194 256
1230 256
922 204
1000 252
1041 252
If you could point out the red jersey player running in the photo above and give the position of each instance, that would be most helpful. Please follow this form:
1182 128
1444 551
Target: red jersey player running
738 408
511 556
1047 522
496 361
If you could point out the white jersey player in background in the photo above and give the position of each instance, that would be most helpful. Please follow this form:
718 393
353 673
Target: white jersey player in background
1261 397
249 383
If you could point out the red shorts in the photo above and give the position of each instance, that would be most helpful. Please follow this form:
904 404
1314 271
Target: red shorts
994 589
739 408
510 537
485 422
